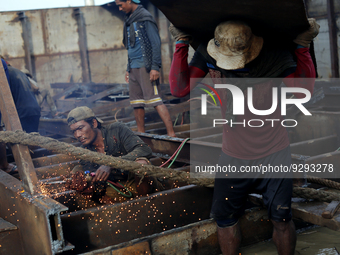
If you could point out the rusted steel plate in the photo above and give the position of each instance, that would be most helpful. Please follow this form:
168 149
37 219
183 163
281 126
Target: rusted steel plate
104 29
325 165
37 218
10 242
14 48
216 138
201 238
100 95
102 109
109 225
315 147
162 129
194 133
204 151
172 222
6 226
52 160
320 124
136 249
56 170
200 18
61 28
54 126
198 238
158 125
58 66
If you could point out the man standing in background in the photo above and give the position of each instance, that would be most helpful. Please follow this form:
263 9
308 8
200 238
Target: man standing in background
143 43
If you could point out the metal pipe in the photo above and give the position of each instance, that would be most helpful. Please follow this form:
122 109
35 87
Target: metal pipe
89 2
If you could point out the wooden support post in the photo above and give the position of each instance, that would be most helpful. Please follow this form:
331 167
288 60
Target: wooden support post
331 209
11 119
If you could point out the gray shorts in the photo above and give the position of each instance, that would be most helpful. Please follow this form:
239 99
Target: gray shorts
142 92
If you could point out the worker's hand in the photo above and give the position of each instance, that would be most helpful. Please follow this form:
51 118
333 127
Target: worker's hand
78 181
154 75
127 77
102 173
178 34
305 38
143 161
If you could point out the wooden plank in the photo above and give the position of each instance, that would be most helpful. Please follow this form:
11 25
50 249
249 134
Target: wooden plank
67 91
115 90
308 211
11 119
312 212
331 209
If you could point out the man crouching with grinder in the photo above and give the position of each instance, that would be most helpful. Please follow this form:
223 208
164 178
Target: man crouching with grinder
116 140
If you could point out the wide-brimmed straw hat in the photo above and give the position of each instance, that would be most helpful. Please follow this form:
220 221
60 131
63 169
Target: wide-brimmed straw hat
234 45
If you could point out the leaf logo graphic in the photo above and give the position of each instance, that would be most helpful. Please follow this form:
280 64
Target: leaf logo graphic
209 93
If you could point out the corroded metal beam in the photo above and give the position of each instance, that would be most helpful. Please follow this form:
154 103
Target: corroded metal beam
37 218
204 151
83 49
315 147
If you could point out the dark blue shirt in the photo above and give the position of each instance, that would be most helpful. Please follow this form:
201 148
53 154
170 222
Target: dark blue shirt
6 70
23 96
135 53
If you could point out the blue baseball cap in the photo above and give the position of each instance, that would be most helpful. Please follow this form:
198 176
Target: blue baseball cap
136 1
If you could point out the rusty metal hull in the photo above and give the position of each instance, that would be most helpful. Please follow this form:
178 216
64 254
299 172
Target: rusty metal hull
37 219
174 221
